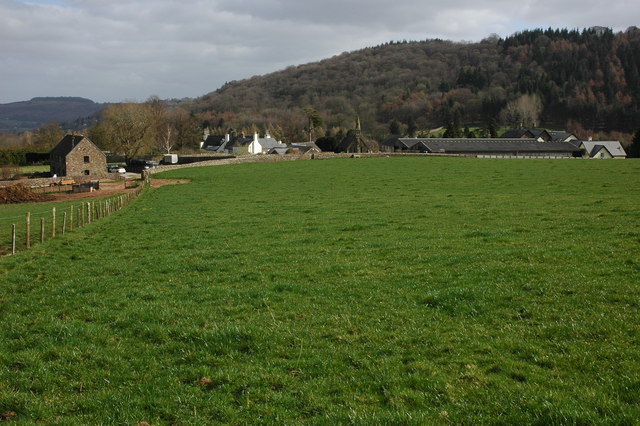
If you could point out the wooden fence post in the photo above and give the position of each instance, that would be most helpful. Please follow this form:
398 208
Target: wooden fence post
53 223
88 212
64 222
13 238
42 230
28 236
71 218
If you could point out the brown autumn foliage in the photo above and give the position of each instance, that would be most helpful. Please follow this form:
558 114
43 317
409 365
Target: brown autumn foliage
590 77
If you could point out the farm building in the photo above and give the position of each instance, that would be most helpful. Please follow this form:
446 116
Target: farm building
306 147
76 156
540 134
296 148
603 149
499 147
263 145
562 137
213 142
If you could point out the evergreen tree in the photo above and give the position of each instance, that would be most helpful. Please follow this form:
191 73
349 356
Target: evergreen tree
394 127
450 132
457 124
492 129
411 127
634 149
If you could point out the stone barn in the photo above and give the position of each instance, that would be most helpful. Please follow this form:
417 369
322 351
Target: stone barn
77 156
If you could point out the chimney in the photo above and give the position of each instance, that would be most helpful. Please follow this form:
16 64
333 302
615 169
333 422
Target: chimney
226 137
255 137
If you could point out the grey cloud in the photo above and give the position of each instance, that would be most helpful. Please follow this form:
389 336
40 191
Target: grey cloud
118 49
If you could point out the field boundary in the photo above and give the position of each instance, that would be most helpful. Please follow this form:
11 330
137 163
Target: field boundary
25 231
269 158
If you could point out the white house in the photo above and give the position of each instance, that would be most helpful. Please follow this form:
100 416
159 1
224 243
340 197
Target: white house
263 145
603 149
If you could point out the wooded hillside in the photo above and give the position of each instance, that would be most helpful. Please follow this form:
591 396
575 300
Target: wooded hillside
17 117
534 78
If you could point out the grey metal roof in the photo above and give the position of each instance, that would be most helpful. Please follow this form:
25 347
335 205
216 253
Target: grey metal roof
497 145
614 147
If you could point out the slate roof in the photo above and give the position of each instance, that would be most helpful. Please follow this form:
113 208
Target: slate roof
237 141
355 143
390 140
488 145
67 144
306 146
514 133
561 136
213 141
268 143
614 147
280 151
522 133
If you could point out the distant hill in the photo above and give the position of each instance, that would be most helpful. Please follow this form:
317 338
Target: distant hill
28 115
590 77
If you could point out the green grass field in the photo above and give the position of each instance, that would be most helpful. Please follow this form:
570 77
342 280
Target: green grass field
75 211
35 169
391 290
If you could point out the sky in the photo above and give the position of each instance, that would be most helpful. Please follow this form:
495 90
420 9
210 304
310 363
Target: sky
117 50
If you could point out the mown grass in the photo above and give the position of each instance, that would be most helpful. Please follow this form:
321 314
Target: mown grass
413 290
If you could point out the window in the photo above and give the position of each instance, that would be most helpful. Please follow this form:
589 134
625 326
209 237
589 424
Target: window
86 158
87 172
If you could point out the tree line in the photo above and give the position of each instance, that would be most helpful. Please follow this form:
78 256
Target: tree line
541 77
583 81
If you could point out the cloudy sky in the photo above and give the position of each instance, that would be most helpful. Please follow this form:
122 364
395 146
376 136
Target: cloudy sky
114 50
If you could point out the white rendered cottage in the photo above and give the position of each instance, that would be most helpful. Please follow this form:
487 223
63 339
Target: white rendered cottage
263 145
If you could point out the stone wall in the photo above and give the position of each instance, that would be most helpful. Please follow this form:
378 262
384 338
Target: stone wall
76 165
272 158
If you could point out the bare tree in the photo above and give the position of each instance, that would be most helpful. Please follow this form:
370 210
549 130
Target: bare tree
128 129
47 135
523 112
163 124
166 138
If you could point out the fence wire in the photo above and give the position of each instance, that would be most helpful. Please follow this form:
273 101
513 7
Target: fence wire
70 217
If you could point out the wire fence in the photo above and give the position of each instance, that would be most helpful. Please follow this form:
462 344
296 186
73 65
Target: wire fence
24 231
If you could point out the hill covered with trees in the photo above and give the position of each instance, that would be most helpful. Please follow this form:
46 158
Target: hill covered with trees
17 117
587 81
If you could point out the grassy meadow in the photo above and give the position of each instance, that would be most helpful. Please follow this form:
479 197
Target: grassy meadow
390 290
75 211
